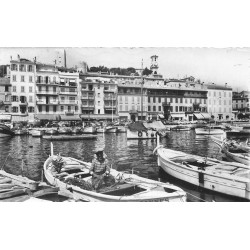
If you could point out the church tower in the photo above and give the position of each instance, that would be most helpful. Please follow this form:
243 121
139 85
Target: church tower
154 64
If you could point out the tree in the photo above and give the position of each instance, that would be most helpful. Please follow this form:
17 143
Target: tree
147 72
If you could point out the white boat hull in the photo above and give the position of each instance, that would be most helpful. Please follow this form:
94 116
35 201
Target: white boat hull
89 130
156 189
37 133
211 180
204 131
150 134
111 130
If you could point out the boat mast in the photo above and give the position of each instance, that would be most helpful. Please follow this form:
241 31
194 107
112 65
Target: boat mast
112 94
141 89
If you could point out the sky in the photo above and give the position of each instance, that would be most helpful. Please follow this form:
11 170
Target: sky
218 65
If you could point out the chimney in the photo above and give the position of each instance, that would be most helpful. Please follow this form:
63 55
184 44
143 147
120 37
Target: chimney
11 58
18 57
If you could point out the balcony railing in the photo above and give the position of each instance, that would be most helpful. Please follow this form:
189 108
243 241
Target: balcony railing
47 83
68 93
23 103
88 97
68 102
44 92
88 105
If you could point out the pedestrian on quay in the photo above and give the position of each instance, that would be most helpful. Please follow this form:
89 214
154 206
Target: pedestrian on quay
100 170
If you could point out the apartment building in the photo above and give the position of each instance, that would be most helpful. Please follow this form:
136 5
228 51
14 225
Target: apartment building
219 101
241 101
98 97
5 95
177 100
22 79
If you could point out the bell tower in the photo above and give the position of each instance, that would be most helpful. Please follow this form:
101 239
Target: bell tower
154 64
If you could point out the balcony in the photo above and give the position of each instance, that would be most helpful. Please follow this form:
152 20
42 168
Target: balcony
7 102
68 102
40 102
42 92
47 83
166 104
69 85
88 90
110 90
88 105
68 93
87 97
23 103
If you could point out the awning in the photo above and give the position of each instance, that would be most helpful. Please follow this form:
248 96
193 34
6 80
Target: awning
70 118
18 118
206 115
5 117
99 117
176 115
161 116
198 116
48 117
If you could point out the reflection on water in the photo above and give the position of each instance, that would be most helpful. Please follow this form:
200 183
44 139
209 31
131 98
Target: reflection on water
124 155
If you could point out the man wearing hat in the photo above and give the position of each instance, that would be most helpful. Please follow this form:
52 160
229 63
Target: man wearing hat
100 170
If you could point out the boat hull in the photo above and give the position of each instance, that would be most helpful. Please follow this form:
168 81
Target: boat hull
205 179
86 195
203 131
140 135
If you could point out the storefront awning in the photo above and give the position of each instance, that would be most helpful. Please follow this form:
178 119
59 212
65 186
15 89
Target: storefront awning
48 117
5 117
206 115
176 115
99 117
70 118
198 116
19 118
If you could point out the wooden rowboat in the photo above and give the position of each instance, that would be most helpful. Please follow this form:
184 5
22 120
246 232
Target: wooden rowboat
225 177
75 179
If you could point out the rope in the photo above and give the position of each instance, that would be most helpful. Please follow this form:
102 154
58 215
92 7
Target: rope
196 196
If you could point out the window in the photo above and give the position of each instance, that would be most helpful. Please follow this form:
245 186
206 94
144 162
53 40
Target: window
6 89
126 107
176 100
99 95
47 109
220 93
14 67
30 79
54 79
154 108
54 109
30 68
62 108
181 100
176 108
15 109
153 99
133 99
205 101
31 109
22 89
62 89
99 103
159 99
40 108
14 98
229 94
7 109
30 89
22 78
14 78
191 100
126 99
148 99
171 99
159 108
76 108
69 108
149 108
22 68
30 98
98 88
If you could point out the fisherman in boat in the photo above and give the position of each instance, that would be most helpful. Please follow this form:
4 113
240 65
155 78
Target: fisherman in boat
100 170
57 164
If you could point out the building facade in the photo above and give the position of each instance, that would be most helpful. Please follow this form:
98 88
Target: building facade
219 102
241 101
5 95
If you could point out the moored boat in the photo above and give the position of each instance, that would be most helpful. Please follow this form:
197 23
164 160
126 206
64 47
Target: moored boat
74 178
89 130
121 129
111 129
209 130
36 132
101 129
5 131
141 134
51 131
225 177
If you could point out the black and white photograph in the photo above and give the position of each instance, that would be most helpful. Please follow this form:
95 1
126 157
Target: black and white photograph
124 125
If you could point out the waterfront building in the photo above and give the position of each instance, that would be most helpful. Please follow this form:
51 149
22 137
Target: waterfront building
219 101
98 97
241 101
5 99
22 79
177 100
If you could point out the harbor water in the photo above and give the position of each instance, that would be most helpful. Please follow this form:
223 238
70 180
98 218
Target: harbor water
26 155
